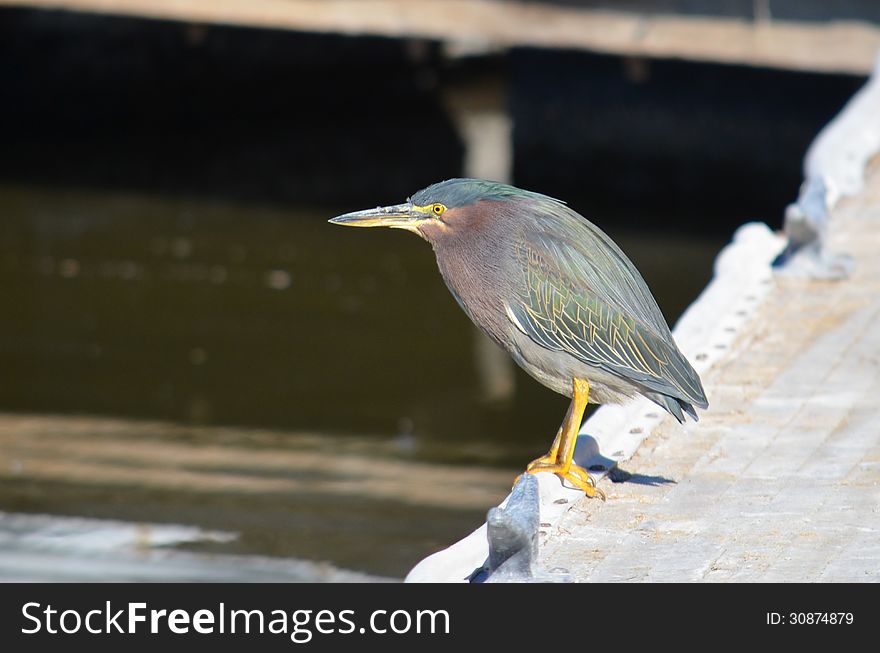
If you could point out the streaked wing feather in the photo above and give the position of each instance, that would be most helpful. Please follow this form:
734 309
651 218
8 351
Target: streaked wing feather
595 306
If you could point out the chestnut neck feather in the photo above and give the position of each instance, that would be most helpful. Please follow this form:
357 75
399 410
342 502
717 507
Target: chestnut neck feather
471 245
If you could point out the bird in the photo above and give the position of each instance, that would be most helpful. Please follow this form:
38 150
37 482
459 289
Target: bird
554 291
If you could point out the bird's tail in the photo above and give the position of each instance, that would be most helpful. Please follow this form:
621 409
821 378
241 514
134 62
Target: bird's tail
677 407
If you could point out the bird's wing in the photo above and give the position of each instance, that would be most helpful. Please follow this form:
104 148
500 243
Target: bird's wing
585 299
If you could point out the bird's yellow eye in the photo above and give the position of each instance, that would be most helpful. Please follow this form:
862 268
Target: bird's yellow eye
438 209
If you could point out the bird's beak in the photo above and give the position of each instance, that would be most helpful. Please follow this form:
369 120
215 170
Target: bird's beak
400 216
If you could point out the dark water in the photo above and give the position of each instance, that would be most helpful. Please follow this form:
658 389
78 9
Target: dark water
254 369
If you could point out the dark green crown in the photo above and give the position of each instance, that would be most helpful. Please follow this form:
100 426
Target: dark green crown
455 193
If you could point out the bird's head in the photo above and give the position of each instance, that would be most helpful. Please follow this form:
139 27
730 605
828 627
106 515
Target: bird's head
444 209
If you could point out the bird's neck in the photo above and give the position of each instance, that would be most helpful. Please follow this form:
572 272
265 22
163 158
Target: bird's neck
472 268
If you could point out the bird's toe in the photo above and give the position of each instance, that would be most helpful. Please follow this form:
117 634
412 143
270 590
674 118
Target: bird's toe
577 476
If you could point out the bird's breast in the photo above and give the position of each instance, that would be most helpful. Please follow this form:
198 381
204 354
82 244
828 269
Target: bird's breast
474 272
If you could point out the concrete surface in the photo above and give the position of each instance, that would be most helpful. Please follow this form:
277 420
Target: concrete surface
780 481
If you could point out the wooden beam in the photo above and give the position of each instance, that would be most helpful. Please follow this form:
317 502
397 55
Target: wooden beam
839 47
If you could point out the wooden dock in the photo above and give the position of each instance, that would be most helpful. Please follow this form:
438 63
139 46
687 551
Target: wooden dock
840 46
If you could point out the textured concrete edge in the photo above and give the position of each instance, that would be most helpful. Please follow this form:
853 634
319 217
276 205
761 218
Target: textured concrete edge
613 434
834 167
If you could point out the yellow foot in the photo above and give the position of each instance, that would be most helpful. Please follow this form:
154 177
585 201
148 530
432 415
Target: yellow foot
543 461
577 476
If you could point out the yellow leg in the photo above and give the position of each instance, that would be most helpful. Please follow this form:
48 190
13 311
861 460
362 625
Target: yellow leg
559 459
550 456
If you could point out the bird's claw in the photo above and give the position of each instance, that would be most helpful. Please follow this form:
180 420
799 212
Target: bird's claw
577 476
548 459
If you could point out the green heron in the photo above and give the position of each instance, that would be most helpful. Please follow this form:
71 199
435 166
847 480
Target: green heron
552 289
